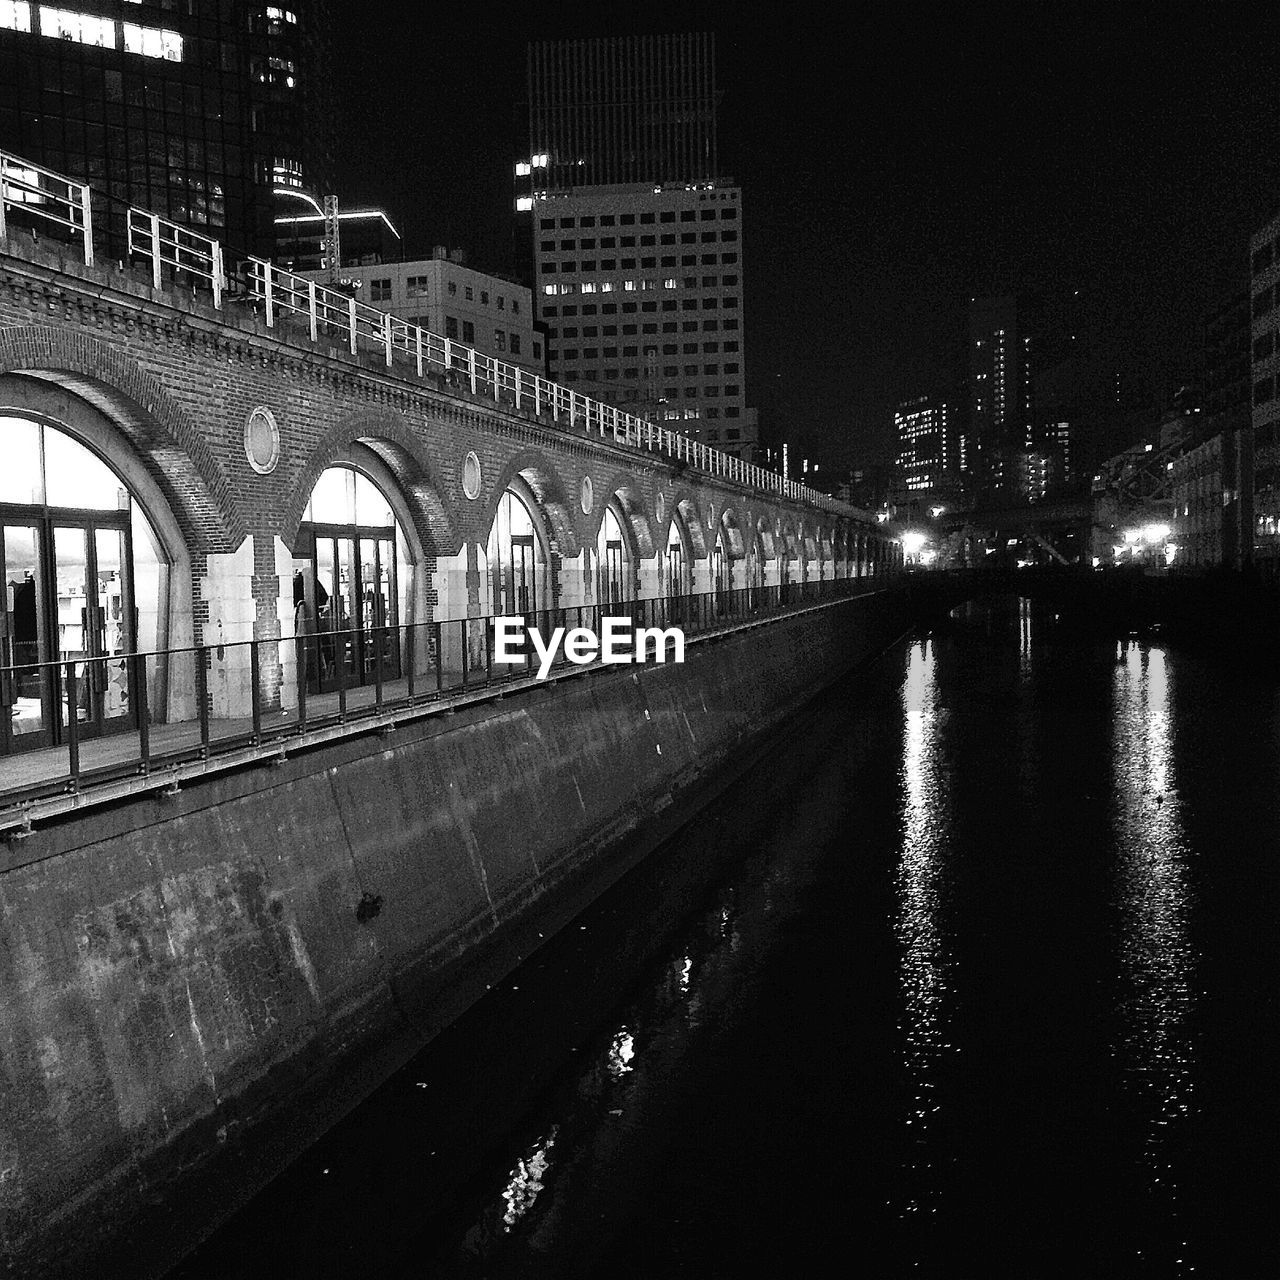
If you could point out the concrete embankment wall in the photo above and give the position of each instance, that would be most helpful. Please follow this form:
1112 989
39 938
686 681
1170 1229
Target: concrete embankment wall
193 987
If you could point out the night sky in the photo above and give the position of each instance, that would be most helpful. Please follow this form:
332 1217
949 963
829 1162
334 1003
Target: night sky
892 165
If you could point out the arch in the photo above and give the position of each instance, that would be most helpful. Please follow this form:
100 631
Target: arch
622 487
677 557
693 525
517 553
397 448
765 539
735 544
545 488
161 432
94 565
615 554
354 573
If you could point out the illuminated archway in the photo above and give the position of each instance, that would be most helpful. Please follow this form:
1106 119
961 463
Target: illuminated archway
86 581
353 575
615 580
516 559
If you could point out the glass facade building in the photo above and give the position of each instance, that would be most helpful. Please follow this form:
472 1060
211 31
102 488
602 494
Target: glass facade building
192 109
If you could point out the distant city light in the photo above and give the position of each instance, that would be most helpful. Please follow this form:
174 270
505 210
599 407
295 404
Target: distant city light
913 542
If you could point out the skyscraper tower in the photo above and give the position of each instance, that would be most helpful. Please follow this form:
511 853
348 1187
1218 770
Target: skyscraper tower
1000 411
633 109
635 237
193 111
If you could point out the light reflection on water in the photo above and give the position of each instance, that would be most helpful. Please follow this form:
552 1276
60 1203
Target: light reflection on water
1156 1053
925 960
526 1180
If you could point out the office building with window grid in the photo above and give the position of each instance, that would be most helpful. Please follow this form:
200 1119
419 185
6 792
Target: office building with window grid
443 295
193 109
637 248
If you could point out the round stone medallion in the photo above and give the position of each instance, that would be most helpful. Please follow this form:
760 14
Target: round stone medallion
587 495
262 440
471 476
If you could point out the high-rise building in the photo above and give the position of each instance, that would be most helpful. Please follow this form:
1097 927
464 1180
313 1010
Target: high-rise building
1000 391
926 449
193 110
635 236
614 112
1265 261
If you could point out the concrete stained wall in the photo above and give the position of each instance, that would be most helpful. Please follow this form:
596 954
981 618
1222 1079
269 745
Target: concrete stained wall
172 971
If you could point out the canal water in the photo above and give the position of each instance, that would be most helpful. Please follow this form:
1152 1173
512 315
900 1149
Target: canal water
975 975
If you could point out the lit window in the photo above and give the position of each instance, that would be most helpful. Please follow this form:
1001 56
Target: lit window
549 289
606 286
524 204
629 286
15 16
280 15
152 42
84 28
286 172
523 169
588 286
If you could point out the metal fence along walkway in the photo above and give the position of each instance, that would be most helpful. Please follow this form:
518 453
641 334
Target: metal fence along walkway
325 685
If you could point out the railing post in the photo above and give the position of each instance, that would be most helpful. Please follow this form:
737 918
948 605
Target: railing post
219 280
439 660
73 727
155 249
418 352
4 196
202 698
471 368
300 646
86 216
268 293
312 311
255 695
386 335
517 387
340 657
537 396
351 322
496 367
139 692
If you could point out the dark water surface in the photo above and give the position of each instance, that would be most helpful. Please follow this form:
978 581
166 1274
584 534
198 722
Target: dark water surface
976 975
